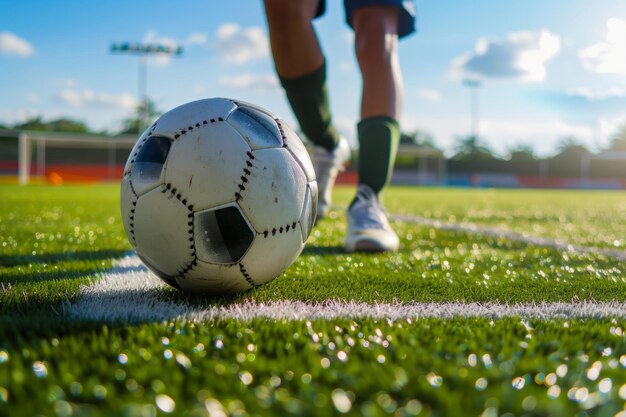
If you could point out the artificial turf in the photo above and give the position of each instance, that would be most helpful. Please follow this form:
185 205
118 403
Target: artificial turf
53 240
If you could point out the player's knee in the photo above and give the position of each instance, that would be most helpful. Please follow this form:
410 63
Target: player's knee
376 32
375 45
283 13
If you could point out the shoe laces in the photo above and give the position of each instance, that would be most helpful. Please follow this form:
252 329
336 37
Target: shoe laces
365 210
329 159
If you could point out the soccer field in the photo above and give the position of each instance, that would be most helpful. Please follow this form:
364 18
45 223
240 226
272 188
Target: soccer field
499 303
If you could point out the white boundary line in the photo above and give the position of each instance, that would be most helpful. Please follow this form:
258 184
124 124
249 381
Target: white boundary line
509 235
130 293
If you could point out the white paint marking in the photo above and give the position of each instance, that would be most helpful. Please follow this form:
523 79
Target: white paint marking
509 235
130 293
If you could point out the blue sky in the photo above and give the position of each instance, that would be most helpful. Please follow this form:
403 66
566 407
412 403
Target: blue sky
548 69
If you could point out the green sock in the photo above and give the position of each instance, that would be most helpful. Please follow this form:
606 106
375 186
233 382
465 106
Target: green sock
308 97
378 140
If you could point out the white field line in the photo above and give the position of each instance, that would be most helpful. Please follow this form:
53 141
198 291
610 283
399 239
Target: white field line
511 236
130 293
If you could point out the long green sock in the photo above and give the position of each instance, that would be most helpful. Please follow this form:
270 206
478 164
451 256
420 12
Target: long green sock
378 140
308 97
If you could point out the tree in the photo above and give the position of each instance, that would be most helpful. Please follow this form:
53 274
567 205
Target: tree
58 125
568 162
408 137
618 141
570 144
523 148
419 138
136 124
67 125
522 160
33 123
471 148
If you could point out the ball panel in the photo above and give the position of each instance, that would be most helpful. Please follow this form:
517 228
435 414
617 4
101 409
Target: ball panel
156 271
269 256
148 169
214 279
241 103
222 235
128 200
256 127
309 210
207 167
163 232
181 118
133 153
296 147
274 191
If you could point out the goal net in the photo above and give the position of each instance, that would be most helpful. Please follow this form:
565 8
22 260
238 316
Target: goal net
59 157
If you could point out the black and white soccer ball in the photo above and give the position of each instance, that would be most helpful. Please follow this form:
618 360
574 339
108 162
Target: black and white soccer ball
218 196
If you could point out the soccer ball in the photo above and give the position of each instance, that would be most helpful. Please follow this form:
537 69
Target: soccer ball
218 196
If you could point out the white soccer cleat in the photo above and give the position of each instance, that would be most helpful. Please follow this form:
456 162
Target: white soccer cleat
368 227
327 165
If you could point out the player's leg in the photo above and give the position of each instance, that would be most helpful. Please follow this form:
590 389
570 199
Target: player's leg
295 48
301 68
376 43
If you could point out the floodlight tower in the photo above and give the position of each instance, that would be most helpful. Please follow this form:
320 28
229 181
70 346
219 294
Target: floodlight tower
144 51
473 86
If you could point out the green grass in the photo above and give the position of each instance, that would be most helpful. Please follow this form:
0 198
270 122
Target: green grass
52 240
588 218
441 368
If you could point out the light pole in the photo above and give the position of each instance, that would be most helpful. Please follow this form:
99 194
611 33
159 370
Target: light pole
473 86
143 51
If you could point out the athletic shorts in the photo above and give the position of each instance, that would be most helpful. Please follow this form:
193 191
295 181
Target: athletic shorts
406 25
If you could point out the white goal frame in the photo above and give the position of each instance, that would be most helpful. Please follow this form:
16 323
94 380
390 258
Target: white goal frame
28 139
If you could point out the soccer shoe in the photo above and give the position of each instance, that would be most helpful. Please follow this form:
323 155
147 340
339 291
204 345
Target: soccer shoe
368 227
327 165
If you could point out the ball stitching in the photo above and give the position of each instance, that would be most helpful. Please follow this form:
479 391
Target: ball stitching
282 132
190 128
279 230
244 178
246 275
167 188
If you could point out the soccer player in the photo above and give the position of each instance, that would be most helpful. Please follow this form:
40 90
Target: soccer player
301 68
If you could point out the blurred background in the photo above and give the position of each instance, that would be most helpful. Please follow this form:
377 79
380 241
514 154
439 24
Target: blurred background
497 94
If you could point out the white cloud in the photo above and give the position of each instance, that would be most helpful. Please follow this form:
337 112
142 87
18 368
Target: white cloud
607 127
520 55
238 45
347 127
502 134
32 98
608 57
11 44
86 97
429 94
593 95
348 37
151 37
346 66
159 59
258 83
196 39
11 116
66 83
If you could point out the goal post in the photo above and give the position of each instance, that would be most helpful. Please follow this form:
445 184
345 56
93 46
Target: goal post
71 155
23 154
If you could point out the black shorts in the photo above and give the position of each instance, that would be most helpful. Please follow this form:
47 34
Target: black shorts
406 25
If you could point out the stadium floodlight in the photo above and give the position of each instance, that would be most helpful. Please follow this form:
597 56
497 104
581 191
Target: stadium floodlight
144 51
473 85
